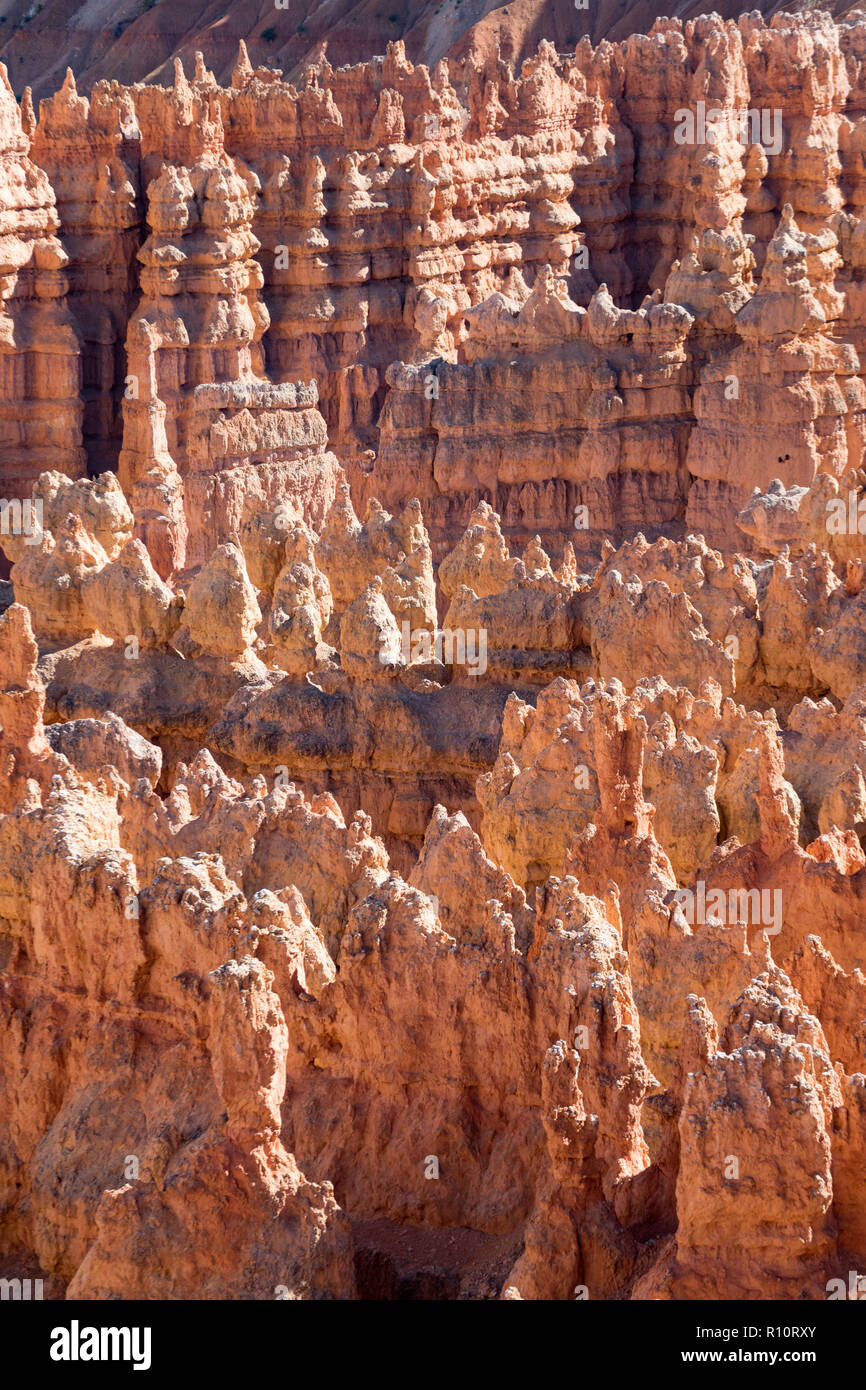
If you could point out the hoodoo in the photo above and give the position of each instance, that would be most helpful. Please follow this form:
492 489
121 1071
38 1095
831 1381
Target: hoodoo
433 662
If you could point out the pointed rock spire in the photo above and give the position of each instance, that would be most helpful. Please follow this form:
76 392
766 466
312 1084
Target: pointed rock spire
28 116
243 69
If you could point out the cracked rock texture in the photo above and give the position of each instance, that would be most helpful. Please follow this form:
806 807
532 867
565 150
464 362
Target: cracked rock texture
433 672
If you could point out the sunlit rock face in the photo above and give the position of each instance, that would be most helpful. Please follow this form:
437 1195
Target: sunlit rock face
433 675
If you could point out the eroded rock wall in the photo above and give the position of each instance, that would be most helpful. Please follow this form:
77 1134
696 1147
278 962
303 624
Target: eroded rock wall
433 797
354 230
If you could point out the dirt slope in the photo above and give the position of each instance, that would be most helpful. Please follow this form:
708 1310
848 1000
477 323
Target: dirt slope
136 39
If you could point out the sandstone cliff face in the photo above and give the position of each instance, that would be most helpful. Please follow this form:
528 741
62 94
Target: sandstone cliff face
101 216
40 348
433 809
292 944
668 852
383 230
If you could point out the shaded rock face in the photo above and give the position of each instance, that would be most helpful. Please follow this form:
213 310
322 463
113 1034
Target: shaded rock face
433 796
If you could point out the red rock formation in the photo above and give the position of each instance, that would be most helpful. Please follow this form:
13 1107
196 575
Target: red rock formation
40 349
442 878
788 364
89 150
391 207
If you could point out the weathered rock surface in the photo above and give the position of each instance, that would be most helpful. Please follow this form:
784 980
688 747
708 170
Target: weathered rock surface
433 810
